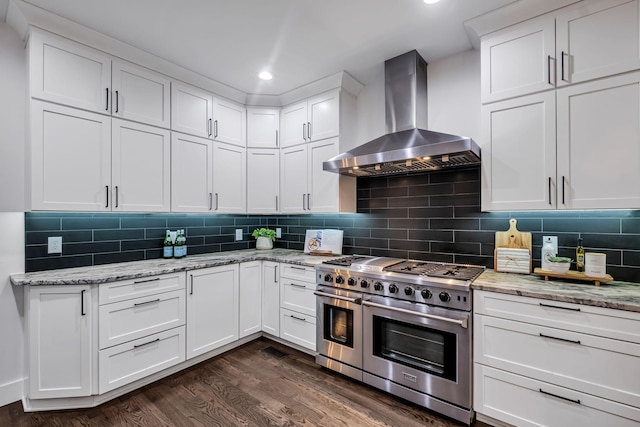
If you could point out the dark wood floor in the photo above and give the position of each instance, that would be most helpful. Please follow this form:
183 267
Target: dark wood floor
248 386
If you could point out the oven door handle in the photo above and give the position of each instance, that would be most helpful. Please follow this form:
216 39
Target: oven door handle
340 297
463 323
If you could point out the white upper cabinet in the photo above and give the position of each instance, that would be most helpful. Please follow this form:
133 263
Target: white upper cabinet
323 185
263 180
293 179
140 95
229 178
599 144
597 39
311 120
191 110
518 60
69 73
519 153
229 123
191 173
262 127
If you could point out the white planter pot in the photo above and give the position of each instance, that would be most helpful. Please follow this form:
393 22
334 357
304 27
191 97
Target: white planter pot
264 243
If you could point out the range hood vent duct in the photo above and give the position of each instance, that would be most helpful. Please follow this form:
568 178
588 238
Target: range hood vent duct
407 147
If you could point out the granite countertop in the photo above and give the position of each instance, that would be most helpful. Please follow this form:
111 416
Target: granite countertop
617 295
136 269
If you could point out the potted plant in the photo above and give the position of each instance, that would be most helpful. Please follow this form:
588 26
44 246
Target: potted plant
264 238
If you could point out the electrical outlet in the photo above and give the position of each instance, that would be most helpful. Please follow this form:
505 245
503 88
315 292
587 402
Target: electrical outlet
278 233
238 233
554 242
55 245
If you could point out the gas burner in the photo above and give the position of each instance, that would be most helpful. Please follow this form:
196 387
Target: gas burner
434 269
344 261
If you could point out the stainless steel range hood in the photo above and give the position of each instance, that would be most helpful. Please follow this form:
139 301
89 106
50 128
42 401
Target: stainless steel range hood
406 147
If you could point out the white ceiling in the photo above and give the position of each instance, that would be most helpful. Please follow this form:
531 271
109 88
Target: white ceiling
299 41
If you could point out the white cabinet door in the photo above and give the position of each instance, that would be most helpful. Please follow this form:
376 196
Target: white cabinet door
263 180
212 308
599 144
262 127
229 178
298 328
598 39
140 94
70 159
518 60
59 320
293 124
519 153
323 116
141 167
229 123
323 186
293 179
191 173
271 298
191 110
250 298
69 73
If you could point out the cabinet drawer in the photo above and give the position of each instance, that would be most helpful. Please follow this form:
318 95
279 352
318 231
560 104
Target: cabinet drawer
127 320
297 328
298 272
298 296
524 401
134 288
609 323
129 362
581 362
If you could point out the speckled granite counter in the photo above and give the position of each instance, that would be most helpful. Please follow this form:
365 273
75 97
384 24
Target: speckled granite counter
137 269
617 295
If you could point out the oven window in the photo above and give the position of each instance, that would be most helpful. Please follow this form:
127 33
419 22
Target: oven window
419 347
338 325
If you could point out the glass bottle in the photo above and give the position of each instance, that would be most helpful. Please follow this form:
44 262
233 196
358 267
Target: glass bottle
580 256
168 246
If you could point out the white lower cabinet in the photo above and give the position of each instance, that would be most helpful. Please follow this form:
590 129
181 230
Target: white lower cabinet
212 308
298 328
271 298
547 363
250 316
60 343
298 305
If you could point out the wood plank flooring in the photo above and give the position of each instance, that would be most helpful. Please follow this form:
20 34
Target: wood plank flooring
248 386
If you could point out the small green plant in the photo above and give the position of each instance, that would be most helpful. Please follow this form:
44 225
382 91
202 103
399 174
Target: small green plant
264 232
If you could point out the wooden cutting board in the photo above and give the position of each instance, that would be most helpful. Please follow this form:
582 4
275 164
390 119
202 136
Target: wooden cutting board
512 238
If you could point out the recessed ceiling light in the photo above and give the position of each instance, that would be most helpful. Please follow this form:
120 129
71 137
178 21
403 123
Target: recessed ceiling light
431 1
265 75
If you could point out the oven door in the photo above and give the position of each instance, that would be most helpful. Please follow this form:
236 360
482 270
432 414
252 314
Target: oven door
339 330
420 347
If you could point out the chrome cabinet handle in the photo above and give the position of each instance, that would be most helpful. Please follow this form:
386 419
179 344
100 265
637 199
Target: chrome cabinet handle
295 285
116 196
549 69
209 127
215 128
275 274
563 189
298 318
107 190
463 323
276 137
82 312
216 202
107 106
558 307
559 397
276 203
210 201
138 304
559 339
308 201
340 297
147 343
303 203
191 291
309 131
137 282
117 100
562 65
304 131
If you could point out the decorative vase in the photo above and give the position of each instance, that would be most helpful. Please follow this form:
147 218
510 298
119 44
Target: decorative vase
264 243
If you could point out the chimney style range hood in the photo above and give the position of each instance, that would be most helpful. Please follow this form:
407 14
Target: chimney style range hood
407 147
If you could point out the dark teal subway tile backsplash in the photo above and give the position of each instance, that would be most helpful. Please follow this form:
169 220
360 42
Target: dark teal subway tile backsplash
433 216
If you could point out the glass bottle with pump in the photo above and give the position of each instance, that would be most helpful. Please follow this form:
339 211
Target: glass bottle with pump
580 256
168 246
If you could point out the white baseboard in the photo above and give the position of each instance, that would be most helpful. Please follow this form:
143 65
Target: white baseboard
12 391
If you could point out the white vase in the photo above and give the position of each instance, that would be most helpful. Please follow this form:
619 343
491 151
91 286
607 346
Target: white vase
264 243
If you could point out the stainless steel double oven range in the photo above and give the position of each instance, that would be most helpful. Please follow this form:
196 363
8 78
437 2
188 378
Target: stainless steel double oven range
401 326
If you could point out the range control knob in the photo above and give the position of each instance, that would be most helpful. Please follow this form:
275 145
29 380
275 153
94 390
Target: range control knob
351 281
328 278
408 291
339 280
426 294
377 286
444 296
364 284
393 288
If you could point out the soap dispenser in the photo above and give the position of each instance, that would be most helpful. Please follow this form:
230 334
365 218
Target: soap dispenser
547 252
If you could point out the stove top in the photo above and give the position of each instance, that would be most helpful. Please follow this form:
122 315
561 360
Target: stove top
434 269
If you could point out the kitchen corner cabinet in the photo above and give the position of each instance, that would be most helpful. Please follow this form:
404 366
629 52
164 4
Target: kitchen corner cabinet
534 363
196 112
212 308
263 125
263 180
60 340
250 298
72 74
314 119
582 42
271 298
229 178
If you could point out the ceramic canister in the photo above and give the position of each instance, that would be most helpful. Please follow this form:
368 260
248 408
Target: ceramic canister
595 264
